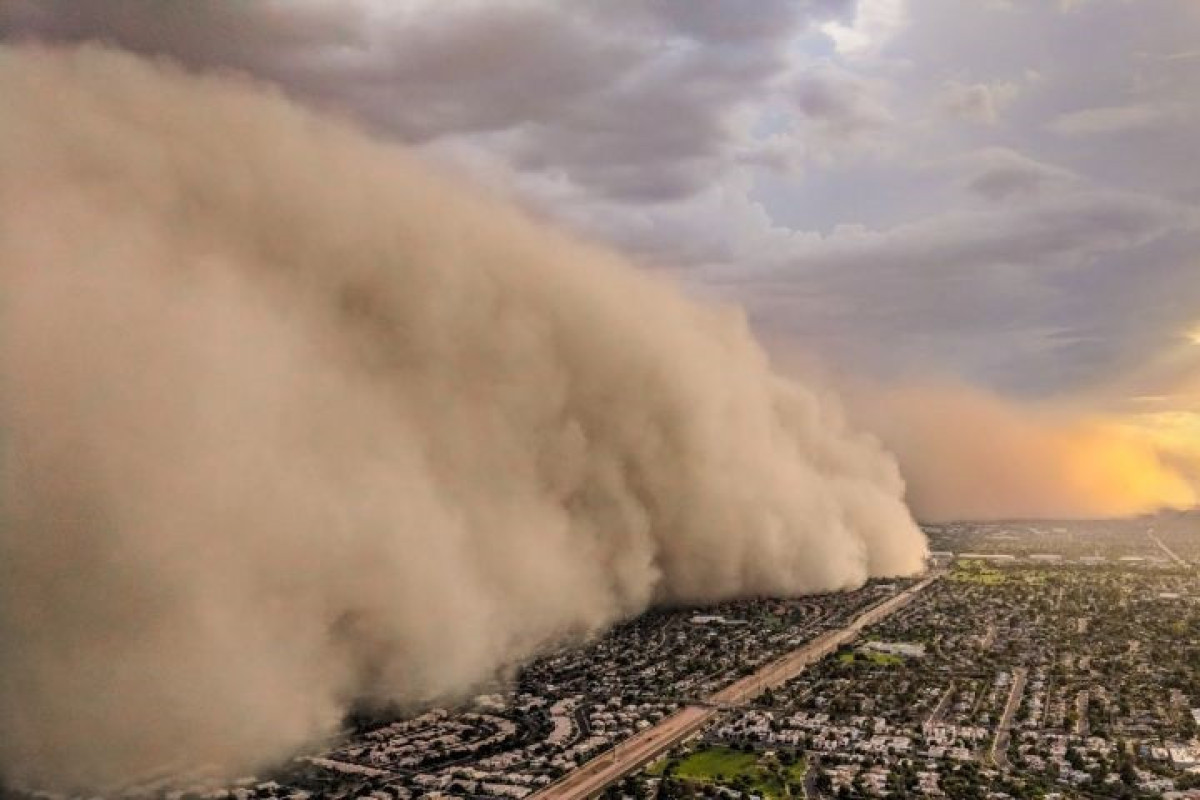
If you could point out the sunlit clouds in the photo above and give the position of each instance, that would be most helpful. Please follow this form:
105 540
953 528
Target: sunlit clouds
872 23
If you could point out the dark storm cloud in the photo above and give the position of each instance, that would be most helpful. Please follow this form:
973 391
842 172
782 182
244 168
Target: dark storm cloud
999 174
940 186
1004 295
839 104
418 75
632 101
719 21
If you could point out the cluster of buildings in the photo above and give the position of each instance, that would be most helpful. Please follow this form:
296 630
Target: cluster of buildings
1053 660
556 713
1024 674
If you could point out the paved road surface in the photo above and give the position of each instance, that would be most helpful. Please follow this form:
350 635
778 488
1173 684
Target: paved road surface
1170 553
939 711
1000 743
630 754
810 777
1082 726
592 777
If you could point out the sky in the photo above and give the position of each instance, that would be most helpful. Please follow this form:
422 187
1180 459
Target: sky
301 420
1001 195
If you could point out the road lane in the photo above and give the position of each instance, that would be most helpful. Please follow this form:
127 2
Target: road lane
592 777
1168 551
1000 743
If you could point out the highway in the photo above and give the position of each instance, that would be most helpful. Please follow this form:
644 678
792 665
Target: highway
1168 551
592 777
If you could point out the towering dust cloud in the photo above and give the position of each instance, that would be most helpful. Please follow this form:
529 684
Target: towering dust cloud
969 454
289 422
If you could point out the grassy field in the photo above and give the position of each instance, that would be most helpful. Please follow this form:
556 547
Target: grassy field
985 574
772 622
724 766
976 572
881 659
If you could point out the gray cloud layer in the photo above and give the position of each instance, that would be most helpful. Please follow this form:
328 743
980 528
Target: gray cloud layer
631 100
741 137
289 421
